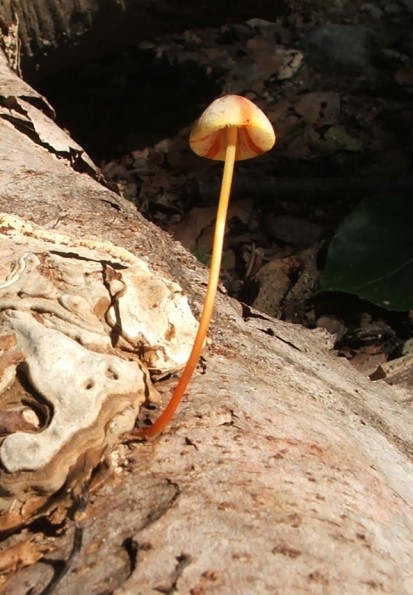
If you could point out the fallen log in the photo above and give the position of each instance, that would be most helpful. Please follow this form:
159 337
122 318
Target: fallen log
285 470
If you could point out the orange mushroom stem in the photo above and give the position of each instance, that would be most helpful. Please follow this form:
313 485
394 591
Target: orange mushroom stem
232 128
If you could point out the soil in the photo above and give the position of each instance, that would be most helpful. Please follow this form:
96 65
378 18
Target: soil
336 80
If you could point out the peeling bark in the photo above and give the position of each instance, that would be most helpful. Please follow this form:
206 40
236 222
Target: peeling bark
285 470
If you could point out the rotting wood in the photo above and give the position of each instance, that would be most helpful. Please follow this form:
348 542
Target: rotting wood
285 469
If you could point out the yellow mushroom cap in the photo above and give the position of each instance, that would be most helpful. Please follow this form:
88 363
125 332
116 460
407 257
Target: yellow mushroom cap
208 136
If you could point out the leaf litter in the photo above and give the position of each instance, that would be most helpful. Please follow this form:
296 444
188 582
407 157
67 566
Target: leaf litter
338 94
333 79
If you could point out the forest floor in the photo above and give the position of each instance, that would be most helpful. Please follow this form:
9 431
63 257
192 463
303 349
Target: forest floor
335 79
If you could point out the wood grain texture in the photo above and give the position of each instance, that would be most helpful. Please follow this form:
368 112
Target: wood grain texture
285 470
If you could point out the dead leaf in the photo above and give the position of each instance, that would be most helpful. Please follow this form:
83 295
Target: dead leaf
404 76
318 109
192 227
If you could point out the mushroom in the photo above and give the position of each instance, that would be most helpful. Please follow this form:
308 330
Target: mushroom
231 129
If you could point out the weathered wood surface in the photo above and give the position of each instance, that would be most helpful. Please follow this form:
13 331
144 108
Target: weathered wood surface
285 470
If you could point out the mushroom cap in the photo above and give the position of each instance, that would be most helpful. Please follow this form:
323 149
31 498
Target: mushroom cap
208 136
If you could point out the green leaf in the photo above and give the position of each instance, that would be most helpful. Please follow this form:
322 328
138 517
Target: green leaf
203 258
371 254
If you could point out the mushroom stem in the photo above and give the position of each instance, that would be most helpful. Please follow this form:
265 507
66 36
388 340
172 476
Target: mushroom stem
166 415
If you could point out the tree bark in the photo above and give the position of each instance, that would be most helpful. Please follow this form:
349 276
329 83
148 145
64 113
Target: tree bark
284 471
64 33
